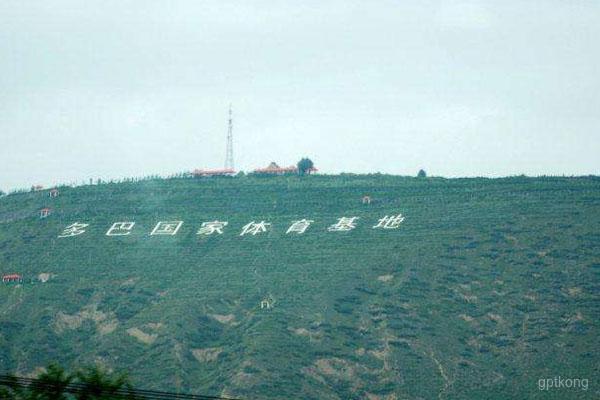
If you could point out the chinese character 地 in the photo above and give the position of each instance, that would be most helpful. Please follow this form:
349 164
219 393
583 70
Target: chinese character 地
208 228
390 222
120 229
254 228
300 226
343 224
74 229
166 228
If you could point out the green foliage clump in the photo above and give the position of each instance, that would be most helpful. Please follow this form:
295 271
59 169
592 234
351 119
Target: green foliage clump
92 383
305 166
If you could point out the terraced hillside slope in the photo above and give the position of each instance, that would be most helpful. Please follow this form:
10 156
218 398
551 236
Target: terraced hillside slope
487 286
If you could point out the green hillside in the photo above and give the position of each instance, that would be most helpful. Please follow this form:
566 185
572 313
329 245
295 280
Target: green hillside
487 286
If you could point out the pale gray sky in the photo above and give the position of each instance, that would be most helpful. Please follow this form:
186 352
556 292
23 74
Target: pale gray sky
117 88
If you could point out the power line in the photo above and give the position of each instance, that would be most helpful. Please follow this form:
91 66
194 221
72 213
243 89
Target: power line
122 393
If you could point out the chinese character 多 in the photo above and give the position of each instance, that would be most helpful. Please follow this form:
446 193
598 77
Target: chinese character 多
73 230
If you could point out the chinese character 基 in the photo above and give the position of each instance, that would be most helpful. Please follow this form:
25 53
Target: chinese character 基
120 229
254 228
166 228
300 226
343 224
208 228
73 230
390 222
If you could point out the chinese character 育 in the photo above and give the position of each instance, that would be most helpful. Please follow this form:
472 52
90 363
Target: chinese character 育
300 226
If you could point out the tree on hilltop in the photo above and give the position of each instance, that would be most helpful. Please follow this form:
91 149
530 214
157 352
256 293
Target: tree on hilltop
305 166
422 174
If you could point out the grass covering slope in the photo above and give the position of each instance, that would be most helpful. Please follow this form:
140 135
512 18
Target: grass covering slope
488 286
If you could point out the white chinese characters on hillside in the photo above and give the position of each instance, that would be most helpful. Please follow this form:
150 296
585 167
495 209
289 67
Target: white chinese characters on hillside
253 228
391 222
208 228
343 224
166 228
74 229
120 229
300 226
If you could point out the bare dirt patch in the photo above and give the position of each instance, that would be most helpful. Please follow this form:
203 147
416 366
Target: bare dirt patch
146 338
301 332
371 396
336 368
207 354
228 319
129 282
466 317
495 317
105 322
64 322
244 379
107 327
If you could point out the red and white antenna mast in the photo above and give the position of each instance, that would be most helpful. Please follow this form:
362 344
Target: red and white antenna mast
229 152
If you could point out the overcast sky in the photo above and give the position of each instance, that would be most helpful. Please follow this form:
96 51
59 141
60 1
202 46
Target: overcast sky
112 89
